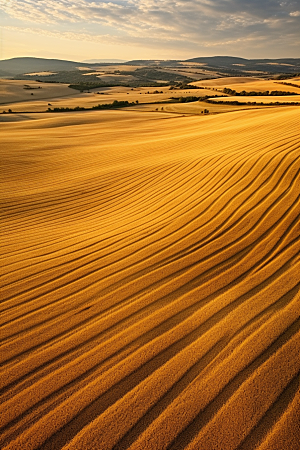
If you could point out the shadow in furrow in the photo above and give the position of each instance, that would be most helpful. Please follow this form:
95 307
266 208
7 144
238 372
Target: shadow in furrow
272 416
206 415
59 439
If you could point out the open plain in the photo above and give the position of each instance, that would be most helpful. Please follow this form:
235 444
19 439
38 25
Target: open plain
150 280
251 84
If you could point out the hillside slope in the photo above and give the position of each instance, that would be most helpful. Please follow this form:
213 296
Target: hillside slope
225 64
15 66
150 281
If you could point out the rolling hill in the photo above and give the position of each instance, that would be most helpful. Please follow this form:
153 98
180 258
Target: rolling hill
226 65
150 281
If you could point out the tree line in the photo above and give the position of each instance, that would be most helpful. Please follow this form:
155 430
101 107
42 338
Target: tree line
113 105
253 93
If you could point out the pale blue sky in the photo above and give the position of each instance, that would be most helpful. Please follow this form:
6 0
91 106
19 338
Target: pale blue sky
149 29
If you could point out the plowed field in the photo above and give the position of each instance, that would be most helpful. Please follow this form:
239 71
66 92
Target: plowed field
150 281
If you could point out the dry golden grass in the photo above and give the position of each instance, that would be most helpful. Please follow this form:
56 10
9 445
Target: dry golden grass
12 92
60 96
250 84
261 99
228 81
150 281
198 107
41 74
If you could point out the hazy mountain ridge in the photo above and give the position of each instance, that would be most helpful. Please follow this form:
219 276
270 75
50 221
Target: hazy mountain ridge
282 65
23 65
100 61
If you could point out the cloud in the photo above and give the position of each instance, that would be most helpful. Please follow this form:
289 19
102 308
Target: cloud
193 22
68 35
115 40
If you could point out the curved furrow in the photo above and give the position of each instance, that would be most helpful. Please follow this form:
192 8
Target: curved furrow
15 372
103 185
49 258
269 380
88 320
178 416
40 391
150 281
286 430
109 378
60 247
216 229
107 432
122 306
223 350
83 209
271 416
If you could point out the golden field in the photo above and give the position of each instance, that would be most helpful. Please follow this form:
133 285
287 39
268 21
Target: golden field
14 91
261 99
150 280
42 96
13 96
251 84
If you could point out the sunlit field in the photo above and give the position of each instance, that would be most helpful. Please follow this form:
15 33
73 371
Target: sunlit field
150 274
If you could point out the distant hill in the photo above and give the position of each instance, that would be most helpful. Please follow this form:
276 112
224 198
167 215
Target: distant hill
283 65
218 60
16 66
218 65
231 65
4 74
107 61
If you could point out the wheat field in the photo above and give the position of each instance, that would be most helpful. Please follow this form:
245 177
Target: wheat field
13 96
150 281
14 91
261 99
251 84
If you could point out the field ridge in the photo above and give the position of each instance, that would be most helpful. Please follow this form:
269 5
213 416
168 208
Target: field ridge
150 281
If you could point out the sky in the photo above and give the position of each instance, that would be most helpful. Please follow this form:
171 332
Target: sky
149 29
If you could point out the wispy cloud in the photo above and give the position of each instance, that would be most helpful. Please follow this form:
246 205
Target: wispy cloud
198 22
69 35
